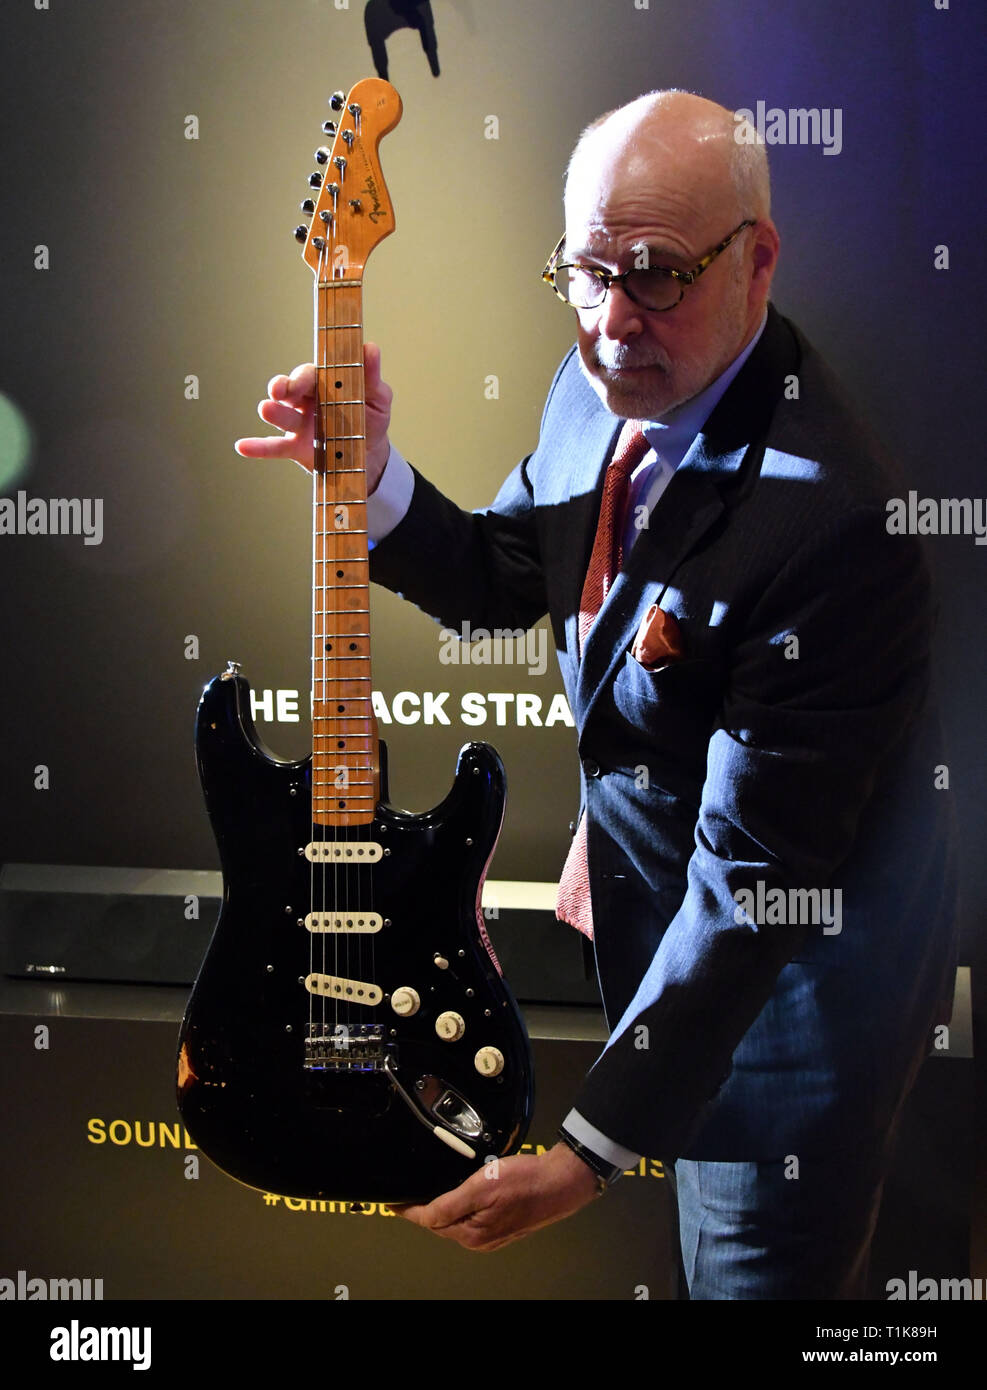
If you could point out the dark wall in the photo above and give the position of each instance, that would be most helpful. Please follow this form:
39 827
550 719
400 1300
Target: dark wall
172 258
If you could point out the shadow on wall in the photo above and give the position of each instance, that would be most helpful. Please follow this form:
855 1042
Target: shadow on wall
384 17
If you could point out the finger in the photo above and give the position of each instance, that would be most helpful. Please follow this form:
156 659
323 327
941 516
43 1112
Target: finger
371 368
464 1202
411 1213
294 388
269 446
301 383
283 417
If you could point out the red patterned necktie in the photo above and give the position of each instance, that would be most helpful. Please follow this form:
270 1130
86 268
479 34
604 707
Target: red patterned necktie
573 902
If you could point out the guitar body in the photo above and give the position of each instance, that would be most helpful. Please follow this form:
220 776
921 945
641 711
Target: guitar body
300 1093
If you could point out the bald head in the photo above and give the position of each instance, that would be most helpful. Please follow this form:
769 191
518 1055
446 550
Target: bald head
663 185
675 137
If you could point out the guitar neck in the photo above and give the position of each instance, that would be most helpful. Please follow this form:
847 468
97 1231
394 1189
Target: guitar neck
345 755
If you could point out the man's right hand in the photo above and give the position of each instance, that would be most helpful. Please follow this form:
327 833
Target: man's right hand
290 407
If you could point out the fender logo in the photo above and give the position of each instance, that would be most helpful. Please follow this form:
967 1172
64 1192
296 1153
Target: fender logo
370 188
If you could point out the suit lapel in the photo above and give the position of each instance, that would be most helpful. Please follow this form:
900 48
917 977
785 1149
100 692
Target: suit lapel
690 505
693 502
594 445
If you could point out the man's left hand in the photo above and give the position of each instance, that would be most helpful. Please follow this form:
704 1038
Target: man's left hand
508 1198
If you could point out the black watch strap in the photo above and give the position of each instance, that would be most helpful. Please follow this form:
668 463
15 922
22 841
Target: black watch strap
606 1173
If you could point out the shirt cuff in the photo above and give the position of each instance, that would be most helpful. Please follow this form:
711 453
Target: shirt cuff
389 503
591 1138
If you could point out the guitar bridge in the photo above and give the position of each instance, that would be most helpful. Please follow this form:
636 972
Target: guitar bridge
359 1048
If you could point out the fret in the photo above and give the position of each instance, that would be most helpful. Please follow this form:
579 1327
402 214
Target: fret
340 802
340 577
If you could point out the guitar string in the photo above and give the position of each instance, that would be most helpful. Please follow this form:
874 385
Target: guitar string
327 552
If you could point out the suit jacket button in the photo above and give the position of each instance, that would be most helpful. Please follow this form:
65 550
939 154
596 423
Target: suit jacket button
590 767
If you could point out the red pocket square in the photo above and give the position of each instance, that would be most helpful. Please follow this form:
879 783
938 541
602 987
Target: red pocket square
658 639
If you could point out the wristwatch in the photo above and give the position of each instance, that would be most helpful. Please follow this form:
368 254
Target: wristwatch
605 1173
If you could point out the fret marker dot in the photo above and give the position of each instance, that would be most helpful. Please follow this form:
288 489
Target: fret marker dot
339 453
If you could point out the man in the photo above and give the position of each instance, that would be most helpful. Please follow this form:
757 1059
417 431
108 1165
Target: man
763 859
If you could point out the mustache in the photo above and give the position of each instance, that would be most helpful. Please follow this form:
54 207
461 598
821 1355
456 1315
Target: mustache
618 356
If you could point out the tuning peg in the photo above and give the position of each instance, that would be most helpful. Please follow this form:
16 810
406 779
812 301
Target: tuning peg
301 233
308 207
328 127
315 180
337 101
321 155
348 138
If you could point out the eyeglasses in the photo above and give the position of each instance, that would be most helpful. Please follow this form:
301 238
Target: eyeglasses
650 287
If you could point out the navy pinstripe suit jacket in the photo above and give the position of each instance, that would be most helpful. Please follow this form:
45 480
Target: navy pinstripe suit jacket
794 746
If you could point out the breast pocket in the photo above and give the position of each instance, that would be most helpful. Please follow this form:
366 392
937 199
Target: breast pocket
641 694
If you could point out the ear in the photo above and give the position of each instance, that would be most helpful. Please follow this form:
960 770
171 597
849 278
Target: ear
767 244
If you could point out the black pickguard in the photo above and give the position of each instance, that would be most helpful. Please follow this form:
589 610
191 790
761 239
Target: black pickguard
246 1095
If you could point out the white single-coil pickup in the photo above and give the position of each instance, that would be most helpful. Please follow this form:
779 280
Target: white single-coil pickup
344 921
343 852
352 991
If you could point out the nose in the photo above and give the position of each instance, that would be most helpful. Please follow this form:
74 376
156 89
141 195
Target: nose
620 317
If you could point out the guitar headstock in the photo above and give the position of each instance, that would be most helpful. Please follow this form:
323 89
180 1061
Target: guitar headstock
353 210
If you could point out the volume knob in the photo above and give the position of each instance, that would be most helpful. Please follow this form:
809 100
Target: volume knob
406 1001
450 1026
489 1061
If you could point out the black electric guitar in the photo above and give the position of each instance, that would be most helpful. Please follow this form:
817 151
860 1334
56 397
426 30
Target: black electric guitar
350 1035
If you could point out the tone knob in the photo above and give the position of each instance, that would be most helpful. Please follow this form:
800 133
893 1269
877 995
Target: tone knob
489 1061
405 1001
450 1027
